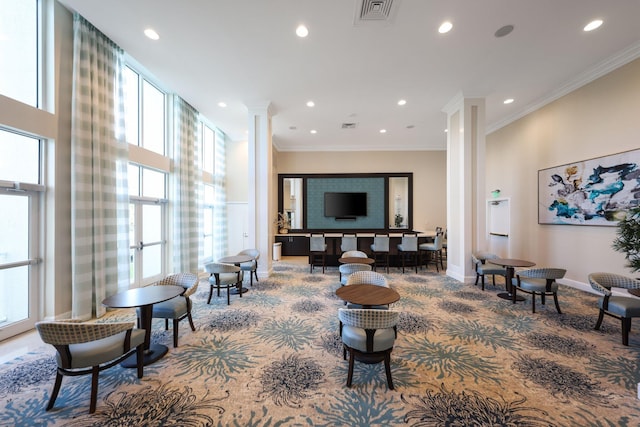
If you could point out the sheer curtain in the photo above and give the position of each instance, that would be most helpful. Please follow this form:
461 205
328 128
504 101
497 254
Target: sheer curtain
187 189
99 201
220 201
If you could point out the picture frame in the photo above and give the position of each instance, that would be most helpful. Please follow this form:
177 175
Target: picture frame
597 191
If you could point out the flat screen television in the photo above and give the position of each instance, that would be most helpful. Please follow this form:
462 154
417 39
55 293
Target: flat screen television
345 205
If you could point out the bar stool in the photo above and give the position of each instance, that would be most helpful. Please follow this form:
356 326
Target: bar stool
317 251
380 250
408 249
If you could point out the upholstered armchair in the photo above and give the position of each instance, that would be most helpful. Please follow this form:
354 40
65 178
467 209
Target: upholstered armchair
538 281
347 269
479 260
251 266
178 308
353 254
224 276
617 306
368 336
89 348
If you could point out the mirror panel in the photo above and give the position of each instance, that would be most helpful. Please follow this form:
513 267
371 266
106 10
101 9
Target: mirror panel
398 202
292 198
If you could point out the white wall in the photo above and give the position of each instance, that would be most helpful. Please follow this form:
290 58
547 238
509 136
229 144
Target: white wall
596 120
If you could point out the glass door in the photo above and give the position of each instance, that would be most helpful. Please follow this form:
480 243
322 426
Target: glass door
18 262
147 242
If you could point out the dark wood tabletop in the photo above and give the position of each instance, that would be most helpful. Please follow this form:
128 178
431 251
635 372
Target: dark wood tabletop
144 298
368 295
139 297
355 260
635 292
510 262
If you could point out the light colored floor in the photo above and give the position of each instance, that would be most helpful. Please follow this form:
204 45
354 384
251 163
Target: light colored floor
19 345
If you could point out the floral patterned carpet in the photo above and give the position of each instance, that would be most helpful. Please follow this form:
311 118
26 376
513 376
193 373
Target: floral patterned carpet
463 357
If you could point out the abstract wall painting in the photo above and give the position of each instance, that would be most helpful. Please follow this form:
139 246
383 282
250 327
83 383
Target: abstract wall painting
590 192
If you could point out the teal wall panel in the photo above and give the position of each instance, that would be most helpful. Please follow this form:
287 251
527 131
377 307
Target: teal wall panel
374 187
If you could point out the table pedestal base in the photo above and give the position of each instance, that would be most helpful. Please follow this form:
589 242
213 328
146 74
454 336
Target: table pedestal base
508 296
155 352
236 291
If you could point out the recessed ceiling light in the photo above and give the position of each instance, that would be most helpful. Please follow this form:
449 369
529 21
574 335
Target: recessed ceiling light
446 130
302 31
383 131
593 25
508 101
222 104
310 103
313 131
445 27
149 32
402 102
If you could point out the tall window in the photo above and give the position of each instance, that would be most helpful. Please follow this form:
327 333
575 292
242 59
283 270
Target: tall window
19 78
20 165
145 113
147 230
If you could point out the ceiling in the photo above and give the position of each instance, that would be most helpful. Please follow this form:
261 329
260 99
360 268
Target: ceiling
246 53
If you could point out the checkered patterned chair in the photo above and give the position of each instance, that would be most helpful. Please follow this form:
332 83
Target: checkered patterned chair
538 281
367 278
88 348
177 308
368 336
347 269
620 307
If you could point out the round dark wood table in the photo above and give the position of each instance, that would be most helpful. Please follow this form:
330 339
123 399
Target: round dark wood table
368 295
355 260
510 265
144 298
237 260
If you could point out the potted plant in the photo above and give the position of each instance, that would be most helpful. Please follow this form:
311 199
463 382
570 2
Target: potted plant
282 223
398 220
628 240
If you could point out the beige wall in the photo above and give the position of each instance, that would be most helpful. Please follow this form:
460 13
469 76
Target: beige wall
596 120
428 167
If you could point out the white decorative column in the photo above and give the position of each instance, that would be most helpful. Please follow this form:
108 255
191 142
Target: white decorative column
466 215
261 206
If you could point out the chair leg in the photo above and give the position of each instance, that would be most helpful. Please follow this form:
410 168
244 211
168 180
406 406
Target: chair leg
166 324
255 273
387 368
626 327
533 301
193 328
94 388
350 374
600 318
483 282
175 333
210 294
140 360
555 299
228 295
54 392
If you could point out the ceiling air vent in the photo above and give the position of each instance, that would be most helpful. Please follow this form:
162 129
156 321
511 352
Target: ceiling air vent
348 126
374 10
